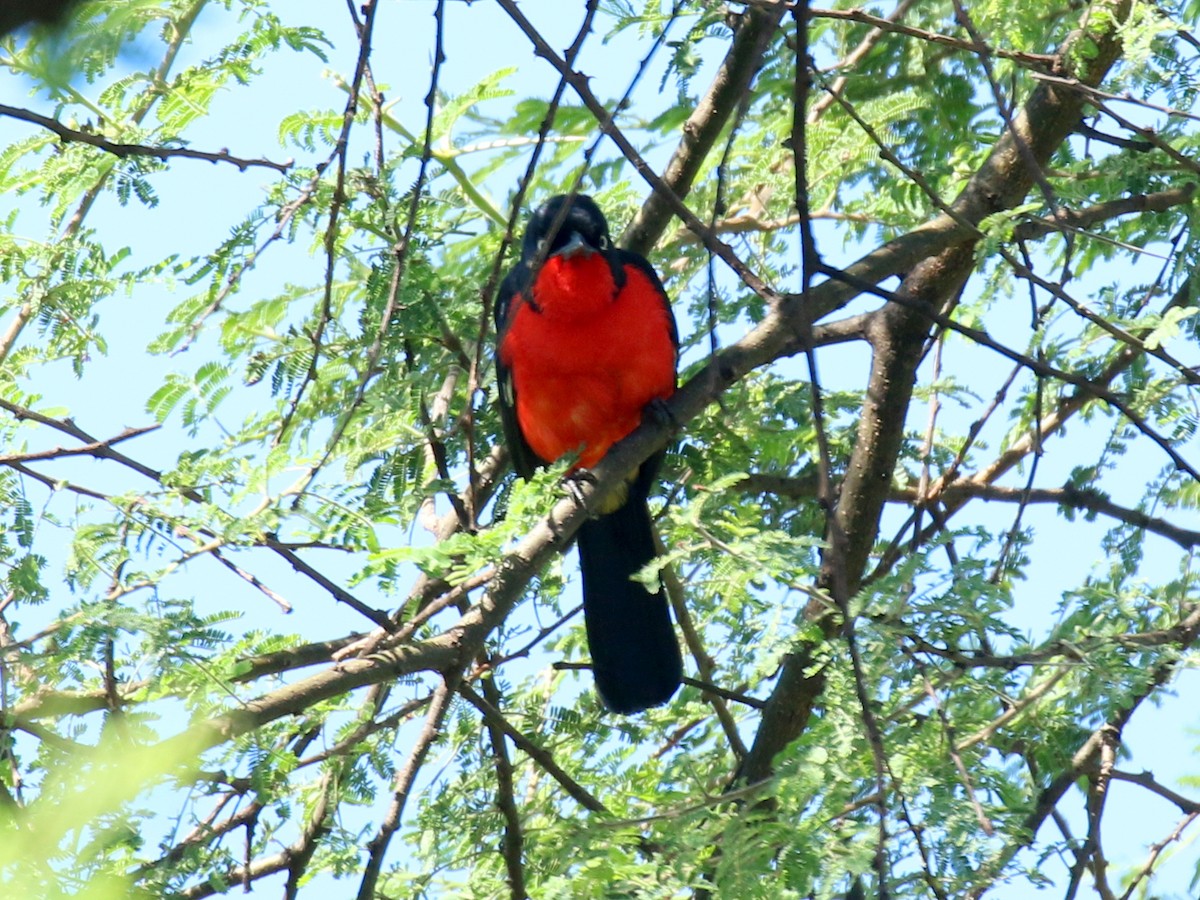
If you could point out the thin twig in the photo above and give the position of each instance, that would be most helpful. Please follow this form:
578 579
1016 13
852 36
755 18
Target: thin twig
253 580
1148 781
339 198
90 449
1086 385
855 56
1035 61
604 118
124 151
400 251
1156 850
1063 217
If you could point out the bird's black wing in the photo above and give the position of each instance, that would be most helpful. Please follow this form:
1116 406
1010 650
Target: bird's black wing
524 460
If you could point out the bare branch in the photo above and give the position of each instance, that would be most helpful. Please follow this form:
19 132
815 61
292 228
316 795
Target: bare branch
754 32
495 719
514 836
339 593
124 151
1148 781
377 847
1072 497
1036 61
1094 93
90 449
253 580
1156 850
1063 217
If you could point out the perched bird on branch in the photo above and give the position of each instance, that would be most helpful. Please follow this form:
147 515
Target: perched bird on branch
586 342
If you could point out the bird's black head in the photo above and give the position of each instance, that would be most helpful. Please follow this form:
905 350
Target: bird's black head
583 228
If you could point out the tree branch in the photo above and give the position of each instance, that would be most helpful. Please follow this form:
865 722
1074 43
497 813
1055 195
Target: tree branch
897 339
378 845
124 151
1148 781
1036 61
514 836
742 61
495 719
1038 227
1069 496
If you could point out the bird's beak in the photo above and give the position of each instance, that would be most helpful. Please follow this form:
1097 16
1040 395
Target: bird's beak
574 247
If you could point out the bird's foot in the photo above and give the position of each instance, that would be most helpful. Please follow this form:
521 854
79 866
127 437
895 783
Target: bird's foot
658 411
573 483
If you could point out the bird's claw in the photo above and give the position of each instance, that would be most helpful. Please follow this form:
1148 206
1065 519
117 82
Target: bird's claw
573 483
658 411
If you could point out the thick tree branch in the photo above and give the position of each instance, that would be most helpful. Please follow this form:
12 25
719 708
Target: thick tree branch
898 338
52 704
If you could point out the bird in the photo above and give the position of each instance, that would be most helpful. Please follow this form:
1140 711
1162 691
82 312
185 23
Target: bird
586 343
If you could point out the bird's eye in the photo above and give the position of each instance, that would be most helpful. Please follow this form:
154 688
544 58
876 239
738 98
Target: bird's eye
602 243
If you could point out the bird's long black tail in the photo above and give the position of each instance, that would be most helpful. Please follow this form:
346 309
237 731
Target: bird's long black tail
635 655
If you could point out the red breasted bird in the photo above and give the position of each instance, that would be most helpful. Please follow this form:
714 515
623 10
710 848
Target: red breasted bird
585 342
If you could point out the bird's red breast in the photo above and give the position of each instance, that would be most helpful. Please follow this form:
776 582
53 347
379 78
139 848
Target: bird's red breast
585 357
